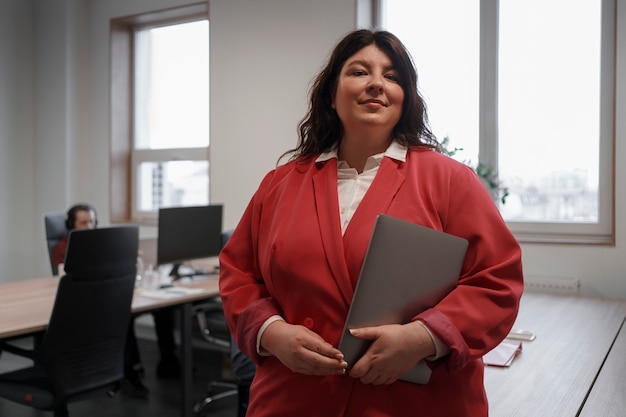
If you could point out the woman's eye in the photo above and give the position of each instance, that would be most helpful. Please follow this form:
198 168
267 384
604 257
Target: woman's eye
358 72
392 77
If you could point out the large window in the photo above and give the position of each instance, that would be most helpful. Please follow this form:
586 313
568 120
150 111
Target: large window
160 112
527 88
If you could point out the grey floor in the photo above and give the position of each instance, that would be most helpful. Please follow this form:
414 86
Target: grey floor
164 397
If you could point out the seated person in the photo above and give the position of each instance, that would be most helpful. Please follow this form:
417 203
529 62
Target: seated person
83 216
79 216
243 368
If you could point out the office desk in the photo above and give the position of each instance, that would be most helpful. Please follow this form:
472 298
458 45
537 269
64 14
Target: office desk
557 371
552 377
25 308
607 397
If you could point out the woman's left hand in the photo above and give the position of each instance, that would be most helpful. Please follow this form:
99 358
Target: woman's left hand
395 349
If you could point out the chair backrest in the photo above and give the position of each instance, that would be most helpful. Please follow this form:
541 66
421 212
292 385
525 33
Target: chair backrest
55 230
83 346
104 252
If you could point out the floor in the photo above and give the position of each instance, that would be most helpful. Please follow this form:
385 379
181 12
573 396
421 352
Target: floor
163 400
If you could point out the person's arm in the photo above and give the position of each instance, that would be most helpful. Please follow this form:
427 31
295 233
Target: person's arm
250 307
245 297
441 349
481 310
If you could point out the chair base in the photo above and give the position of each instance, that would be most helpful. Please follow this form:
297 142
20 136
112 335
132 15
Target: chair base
217 391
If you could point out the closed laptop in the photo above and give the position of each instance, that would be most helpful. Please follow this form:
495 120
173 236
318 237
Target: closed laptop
407 269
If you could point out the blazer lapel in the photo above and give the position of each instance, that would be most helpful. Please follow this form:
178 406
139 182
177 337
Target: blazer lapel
380 194
327 207
377 200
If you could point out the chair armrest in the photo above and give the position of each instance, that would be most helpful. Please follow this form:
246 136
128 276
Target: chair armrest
211 304
211 309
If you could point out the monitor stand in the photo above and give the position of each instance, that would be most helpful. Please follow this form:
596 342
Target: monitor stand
175 274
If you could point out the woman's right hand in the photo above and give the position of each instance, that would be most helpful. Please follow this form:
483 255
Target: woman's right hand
302 350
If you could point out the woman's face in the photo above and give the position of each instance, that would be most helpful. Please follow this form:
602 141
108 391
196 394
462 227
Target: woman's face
368 92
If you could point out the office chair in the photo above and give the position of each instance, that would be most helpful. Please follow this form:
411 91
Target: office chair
55 230
213 329
81 353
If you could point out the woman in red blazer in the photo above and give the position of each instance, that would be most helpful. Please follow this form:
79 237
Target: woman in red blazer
289 270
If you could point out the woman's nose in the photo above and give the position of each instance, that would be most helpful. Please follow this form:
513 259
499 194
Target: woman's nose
376 85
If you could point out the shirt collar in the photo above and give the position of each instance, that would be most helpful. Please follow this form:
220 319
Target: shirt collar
394 151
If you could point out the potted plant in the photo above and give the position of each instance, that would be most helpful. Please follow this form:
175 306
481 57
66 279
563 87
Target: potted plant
487 174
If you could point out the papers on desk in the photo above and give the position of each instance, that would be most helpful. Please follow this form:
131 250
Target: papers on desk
503 354
171 292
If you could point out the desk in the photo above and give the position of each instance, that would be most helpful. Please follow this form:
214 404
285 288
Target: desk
557 371
552 377
25 308
607 395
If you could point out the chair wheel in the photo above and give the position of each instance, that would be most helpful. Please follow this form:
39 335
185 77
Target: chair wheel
201 408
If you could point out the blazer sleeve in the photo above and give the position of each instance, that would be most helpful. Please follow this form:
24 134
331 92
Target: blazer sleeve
481 310
246 299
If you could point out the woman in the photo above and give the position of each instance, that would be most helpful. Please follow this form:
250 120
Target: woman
289 270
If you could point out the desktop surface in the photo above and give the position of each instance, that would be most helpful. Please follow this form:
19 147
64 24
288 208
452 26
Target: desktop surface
25 308
555 373
553 376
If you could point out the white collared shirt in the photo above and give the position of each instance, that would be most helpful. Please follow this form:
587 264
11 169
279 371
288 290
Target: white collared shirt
352 186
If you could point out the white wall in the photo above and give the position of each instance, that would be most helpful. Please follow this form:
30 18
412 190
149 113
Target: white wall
54 116
17 179
263 56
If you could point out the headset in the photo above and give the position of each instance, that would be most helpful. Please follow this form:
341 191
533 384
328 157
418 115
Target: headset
71 214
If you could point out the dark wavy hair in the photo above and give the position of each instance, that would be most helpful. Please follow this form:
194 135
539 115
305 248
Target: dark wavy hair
321 128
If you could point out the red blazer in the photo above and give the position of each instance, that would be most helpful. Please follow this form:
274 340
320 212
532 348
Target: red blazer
287 256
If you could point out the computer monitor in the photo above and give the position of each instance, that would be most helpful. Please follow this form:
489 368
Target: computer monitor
188 233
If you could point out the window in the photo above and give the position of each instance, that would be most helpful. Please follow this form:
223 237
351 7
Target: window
159 112
527 88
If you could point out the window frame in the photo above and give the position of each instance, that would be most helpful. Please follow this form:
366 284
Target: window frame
601 233
124 158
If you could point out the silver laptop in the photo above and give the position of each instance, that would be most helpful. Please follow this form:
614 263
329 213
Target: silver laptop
408 268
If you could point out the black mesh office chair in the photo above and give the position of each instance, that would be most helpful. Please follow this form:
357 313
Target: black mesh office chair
81 353
55 230
213 329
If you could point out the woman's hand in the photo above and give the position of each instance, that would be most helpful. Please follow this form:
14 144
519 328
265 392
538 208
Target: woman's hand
302 350
394 350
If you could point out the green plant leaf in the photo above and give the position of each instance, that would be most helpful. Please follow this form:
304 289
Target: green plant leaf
487 173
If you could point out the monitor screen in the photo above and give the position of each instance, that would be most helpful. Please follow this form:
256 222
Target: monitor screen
187 233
